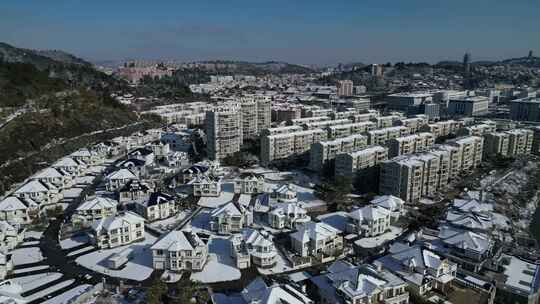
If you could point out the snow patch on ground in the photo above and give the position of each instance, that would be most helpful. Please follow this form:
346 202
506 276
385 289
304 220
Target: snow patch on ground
227 194
33 234
74 241
220 267
29 269
68 296
138 268
21 256
376 241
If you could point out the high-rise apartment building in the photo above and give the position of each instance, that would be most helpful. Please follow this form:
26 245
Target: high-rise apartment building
347 164
224 130
525 109
322 153
345 88
471 149
410 144
288 145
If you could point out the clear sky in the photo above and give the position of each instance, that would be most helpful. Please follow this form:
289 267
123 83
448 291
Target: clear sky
307 32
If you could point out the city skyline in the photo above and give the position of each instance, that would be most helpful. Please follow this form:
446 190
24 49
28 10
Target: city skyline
314 32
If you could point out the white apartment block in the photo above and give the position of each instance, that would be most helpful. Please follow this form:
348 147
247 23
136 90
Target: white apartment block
496 143
224 131
338 131
324 124
347 164
415 143
113 231
256 115
343 114
306 120
413 124
345 88
370 116
402 177
284 146
381 136
520 141
385 121
179 251
455 155
478 130
321 153
442 128
471 149
281 130
319 112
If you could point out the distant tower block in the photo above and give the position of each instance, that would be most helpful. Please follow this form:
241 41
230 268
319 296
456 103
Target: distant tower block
467 63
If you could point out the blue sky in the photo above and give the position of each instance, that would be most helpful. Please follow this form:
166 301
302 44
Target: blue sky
307 32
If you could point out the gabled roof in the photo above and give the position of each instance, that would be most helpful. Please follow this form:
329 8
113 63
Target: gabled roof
12 203
256 238
250 176
157 198
98 202
141 152
118 221
131 162
67 162
369 213
178 240
288 209
134 185
314 231
49 172
472 206
389 202
33 187
122 174
231 208
464 239
259 291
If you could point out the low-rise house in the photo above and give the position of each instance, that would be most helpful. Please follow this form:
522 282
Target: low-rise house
72 166
259 292
391 203
134 165
95 208
419 266
345 284
118 179
133 191
16 210
467 248
177 159
10 235
145 154
317 240
121 229
369 221
231 217
178 251
249 183
284 194
87 156
287 215
43 194
519 281
253 247
206 186
57 177
469 220
158 206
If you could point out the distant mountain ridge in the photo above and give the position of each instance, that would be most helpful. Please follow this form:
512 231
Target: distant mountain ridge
41 59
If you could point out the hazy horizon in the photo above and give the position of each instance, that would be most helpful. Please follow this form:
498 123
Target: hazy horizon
305 32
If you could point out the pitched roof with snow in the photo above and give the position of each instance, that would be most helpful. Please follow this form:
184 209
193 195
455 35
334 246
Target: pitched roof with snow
389 202
261 293
34 186
121 174
118 221
370 213
98 203
12 203
314 231
231 208
178 240
464 239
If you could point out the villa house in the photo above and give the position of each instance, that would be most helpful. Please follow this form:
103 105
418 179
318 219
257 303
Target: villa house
72 166
43 194
10 235
253 247
345 284
158 206
288 215
206 186
284 194
133 191
231 217
318 240
369 221
16 210
249 183
391 203
118 179
259 292
422 268
95 208
121 229
55 176
178 251
87 156
145 154
136 166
